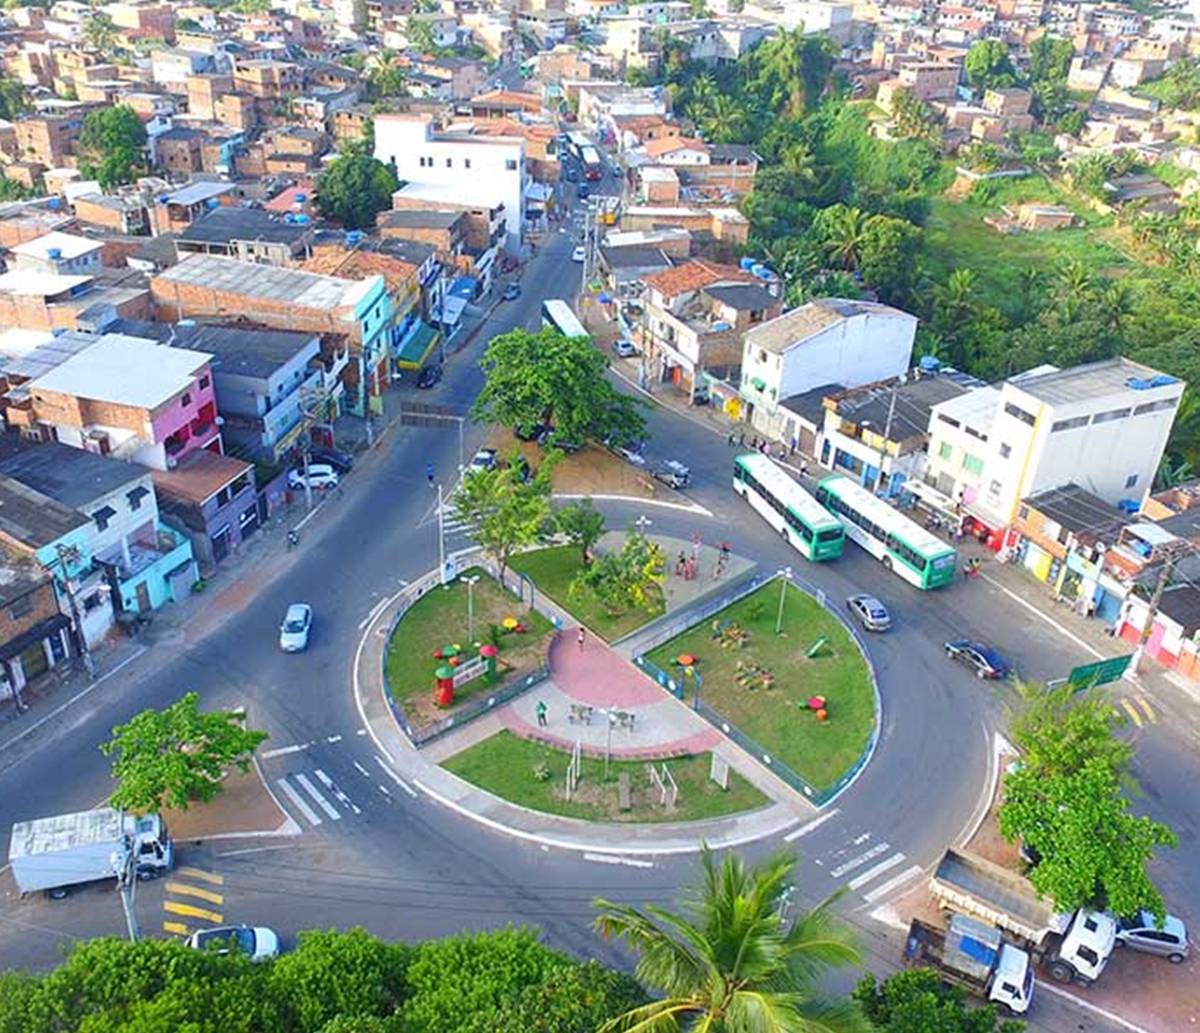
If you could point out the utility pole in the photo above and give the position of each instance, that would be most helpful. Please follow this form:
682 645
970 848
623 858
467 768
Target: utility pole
471 607
123 868
441 526
307 487
1164 578
785 576
64 554
887 434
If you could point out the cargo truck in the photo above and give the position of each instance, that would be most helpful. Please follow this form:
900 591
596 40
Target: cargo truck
54 854
1074 947
974 956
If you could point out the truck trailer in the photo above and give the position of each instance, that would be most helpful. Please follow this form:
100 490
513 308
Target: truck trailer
54 854
974 956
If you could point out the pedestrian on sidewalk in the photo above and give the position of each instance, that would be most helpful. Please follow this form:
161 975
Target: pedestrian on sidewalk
803 468
582 635
742 439
540 710
729 440
754 443
792 447
680 563
429 473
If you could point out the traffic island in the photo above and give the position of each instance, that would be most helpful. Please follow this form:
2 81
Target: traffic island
539 777
458 642
243 809
785 678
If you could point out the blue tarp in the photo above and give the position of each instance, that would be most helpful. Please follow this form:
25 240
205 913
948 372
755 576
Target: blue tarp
464 287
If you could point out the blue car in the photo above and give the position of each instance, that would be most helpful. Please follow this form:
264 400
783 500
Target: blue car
983 660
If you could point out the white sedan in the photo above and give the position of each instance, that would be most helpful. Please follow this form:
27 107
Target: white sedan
319 475
293 633
579 254
258 942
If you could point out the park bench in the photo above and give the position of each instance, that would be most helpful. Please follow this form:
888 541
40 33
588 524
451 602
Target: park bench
624 792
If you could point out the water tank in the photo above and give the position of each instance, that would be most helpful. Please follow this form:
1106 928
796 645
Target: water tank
721 325
301 219
163 199
289 218
212 203
55 204
747 264
54 253
301 198
929 364
354 238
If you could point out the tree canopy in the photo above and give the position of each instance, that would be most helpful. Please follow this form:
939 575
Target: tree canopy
355 188
917 1001
627 578
583 524
112 145
546 378
174 756
988 65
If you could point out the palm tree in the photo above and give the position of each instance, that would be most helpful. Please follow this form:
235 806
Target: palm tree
733 963
704 92
1073 280
782 61
99 32
725 121
844 239
1116 302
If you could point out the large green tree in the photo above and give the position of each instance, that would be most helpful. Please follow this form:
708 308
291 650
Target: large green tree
355 188
989 66
888 258
583 525
100 32
732 962
544 377
793 70
917 1001
112 145
1059 729
13 101
507 511
176 756
627 578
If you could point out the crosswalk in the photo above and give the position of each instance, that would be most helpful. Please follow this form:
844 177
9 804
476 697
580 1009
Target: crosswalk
191 900
317 797
1139 710
871 869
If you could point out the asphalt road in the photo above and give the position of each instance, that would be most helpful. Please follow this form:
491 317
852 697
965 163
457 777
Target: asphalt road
405 868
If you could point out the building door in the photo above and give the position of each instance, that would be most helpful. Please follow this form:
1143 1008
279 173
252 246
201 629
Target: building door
220 544
143 598
33 660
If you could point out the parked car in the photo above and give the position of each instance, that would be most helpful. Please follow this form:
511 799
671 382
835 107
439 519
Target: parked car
342 462
257 942
983 660
524 470
320 475
293 632
511 292
1141 932
572 174
579 254
673 474
582 191
624 349
870 612
484 459
538 432
429 376
630 453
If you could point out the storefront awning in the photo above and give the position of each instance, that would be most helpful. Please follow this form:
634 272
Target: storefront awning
417 346
933 498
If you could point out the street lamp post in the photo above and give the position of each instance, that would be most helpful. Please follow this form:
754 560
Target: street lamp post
471 607
642 523
785 576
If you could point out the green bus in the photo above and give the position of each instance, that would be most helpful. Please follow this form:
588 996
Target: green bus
787 507
902 545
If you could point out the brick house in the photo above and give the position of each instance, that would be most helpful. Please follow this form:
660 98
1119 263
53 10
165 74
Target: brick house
177 151
34 632
48 139
214 497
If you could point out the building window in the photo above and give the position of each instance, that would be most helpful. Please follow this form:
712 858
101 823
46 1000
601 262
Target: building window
135 497
1131 480
1110 416
1005 451
22 607
203 383
466 163
102 516
510 164
1023 512
186 400
449 163
972 464
994 487
945 450
1019 413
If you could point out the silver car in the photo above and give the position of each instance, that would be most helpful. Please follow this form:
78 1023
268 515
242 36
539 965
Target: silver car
1141 932
870 612
293 633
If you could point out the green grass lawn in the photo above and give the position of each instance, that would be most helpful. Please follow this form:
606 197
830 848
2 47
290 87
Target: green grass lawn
439 618
553 570
957 237
505 765
820 752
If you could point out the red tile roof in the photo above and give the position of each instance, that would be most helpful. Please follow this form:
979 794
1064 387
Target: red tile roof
693 276
667 144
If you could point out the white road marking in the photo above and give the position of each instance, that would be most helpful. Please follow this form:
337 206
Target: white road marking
860 860
860 840
1066 995
631 862
312 791
885 888
1049 620
396 778
286 786
282 751
804 830
871 873
333 738
361 770
384 789
372 614
332 786
361 731
256 850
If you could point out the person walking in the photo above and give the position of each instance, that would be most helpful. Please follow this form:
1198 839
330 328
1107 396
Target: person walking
540 710
742 439
429 473
730 440
580 637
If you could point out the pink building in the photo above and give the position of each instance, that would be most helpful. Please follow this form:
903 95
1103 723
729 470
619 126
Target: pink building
130 398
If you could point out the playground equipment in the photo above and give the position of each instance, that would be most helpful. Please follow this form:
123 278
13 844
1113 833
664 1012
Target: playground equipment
730 634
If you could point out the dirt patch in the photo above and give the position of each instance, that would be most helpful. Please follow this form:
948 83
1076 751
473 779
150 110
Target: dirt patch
244 806
989 844
590 471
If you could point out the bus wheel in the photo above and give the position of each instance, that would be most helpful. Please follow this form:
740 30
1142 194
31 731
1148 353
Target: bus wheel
887 562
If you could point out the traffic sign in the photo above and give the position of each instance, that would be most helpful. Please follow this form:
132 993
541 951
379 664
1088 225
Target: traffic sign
1087 676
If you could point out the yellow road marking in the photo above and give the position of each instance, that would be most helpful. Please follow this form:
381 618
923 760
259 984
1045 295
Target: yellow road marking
200 873
176 927
184 889
1133 714
1144 703
190 911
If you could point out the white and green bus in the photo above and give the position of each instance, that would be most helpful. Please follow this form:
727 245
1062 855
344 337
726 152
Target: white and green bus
903 546
788 508
558 315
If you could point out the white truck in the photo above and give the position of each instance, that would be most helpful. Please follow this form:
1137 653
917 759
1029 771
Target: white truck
54 854
974 956
1074 947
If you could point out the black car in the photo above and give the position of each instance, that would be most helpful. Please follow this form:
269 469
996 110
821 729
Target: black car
572 174
537 432
983 660
582 190
340 461
430 375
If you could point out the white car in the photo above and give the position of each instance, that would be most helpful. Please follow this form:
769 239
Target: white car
320 475
624 349
484 459
257 942
578 255
293 632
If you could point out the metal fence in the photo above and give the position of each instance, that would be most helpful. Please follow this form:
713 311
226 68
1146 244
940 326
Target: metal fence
676 686
472 709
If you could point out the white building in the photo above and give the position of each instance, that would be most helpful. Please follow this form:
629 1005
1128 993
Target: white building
1103 426
457 168
65 254
831 341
